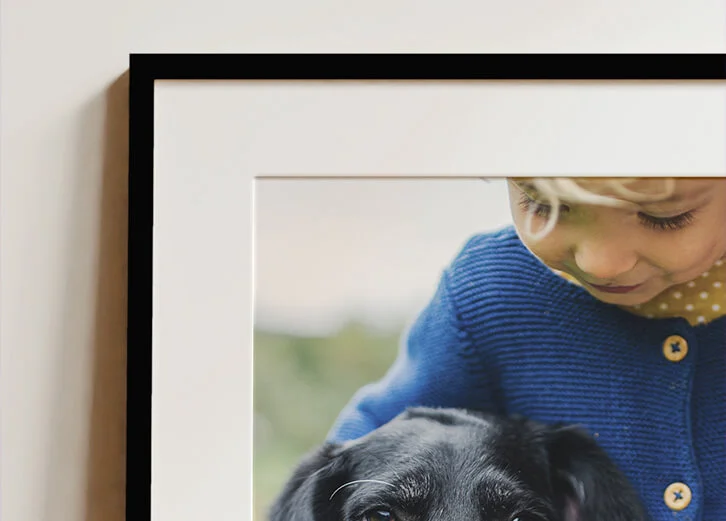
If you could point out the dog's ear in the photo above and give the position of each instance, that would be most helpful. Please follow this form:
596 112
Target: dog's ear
588 485
306 495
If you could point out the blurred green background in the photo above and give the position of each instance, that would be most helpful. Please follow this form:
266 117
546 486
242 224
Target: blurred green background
300 386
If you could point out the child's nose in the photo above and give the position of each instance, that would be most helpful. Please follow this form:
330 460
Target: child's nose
605 259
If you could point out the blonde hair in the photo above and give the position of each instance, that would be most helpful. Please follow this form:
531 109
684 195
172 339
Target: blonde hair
555 190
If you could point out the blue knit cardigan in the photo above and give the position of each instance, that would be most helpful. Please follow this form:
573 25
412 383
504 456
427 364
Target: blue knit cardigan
504 333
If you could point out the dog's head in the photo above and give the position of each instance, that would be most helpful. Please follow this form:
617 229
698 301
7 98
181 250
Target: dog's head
454 465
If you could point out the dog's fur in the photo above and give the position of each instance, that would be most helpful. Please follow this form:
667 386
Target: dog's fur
455 465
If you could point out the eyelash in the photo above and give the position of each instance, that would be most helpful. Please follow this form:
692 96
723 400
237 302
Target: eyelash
665 224
540 209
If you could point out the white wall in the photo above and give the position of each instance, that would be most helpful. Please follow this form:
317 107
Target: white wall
63 188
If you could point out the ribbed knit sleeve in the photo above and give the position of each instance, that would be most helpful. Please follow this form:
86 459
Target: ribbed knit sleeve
428 371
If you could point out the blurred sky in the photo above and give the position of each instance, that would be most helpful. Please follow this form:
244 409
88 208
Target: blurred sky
330 250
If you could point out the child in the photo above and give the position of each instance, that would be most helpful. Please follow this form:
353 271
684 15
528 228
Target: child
603 307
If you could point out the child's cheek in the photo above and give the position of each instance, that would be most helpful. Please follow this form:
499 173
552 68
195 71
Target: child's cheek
684 256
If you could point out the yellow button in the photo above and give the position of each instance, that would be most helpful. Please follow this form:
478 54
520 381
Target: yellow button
677 496
675 348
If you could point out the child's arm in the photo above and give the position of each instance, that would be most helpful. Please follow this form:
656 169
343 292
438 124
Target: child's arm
430 370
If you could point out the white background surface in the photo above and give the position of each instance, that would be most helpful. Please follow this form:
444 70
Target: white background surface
63 196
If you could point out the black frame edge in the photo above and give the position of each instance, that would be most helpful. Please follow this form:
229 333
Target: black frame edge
146 68
140 261
428 66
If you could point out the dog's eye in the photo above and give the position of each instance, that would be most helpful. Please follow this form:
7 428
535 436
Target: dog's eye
379 515
524 516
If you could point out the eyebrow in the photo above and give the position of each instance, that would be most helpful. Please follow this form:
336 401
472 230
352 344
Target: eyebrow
410 499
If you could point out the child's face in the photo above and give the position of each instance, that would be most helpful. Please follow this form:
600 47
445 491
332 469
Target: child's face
627 256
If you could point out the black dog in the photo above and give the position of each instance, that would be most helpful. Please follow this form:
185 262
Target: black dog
455 465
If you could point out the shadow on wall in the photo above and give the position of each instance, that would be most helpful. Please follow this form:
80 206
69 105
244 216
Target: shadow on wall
89 410
106 466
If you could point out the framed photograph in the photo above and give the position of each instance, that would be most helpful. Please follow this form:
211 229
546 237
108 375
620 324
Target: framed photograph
289 216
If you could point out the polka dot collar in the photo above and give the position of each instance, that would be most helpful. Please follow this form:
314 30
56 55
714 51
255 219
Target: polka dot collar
698 301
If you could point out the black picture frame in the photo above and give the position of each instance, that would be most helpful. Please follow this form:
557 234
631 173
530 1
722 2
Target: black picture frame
146 69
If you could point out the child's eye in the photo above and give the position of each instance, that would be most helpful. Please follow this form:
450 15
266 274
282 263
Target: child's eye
676 222
528 204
